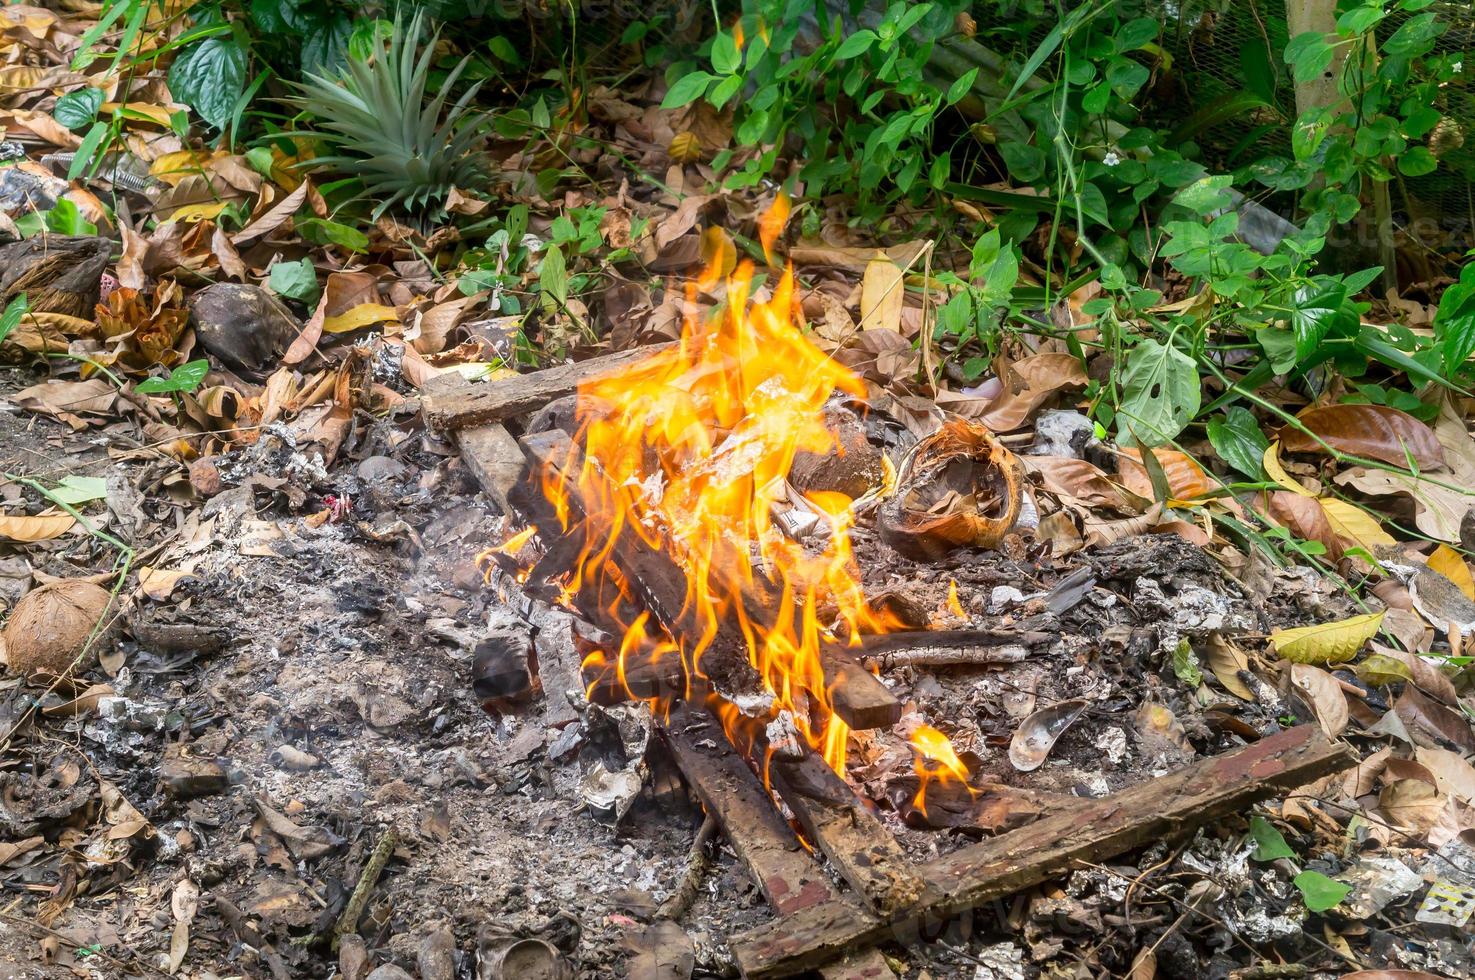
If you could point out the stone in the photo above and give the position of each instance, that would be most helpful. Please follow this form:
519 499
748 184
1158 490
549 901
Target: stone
246 327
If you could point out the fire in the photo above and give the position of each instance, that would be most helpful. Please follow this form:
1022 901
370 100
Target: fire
688 450
953 605
935 760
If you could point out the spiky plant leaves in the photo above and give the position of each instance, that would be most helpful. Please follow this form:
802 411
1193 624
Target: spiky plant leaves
375 122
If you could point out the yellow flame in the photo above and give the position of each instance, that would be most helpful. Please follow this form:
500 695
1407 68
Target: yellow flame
935 761
689 450
953 605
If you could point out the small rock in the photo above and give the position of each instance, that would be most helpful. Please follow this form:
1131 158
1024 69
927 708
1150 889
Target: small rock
437 958
389 972
204 477
851 468
381 469
1061 433
245 326
185 776
353 957
500 667
22 191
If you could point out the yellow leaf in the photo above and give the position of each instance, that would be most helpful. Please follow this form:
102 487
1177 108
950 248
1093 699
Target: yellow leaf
360 316
685 148
1226 661
1451 564
1354 524
39 527
1326 643
1278 473
881 295
191 213
1380 669
156 114
171 168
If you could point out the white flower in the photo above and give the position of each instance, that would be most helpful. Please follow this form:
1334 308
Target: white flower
1457 67
1111 159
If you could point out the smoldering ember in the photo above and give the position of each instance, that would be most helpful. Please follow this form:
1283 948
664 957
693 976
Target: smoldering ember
859 491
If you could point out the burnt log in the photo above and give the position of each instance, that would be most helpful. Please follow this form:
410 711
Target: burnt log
1000 866
458 406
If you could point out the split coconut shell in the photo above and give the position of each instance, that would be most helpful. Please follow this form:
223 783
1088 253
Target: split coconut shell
51 625
957 488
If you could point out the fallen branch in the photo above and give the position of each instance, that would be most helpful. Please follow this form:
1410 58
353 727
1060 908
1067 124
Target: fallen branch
697 863
348 922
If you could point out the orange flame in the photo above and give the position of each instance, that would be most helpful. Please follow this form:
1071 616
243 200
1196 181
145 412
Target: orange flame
935 761
953 605
771 225
688 450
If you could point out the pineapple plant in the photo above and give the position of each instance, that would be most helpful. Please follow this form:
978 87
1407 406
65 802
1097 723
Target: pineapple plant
375 122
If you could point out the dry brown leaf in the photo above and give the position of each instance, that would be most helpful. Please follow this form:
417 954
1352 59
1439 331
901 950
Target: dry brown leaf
1412 805
1455 775
1370 431
682 220
307 340
67 399
1225 661
1186 479
1028 384
34 527
1428 677
1438 510
273 219
1323 695
1303 516
1077 478
1430 723
225 253
881 295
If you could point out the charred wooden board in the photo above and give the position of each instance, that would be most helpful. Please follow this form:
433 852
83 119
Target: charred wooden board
783 870
494 458
857 844
477 403
1003 865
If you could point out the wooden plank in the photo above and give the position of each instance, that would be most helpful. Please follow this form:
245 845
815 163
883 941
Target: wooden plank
854 840
783 870
471 403
494 458
857 696
1001 866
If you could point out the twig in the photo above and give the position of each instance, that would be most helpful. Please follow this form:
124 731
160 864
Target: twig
676 905
942 655
348 922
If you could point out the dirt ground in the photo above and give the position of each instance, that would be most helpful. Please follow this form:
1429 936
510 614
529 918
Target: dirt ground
293 684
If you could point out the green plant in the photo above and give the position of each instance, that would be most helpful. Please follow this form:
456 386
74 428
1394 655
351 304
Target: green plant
185 378
408 149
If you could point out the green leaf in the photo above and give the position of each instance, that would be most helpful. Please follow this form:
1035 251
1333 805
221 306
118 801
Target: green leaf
1454 323
1270 844
67 219
321 231
553 275
1359 20
1160 394
1320 892
857 43
1126 76
1321 309
688 88
210 77
186 377
85 152
10 319
1417 161
1135 33
960 87
1206 195
78 109
1045 49
502 50
1185 664
79 489
294 280
1309 55
725 55
1239 442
